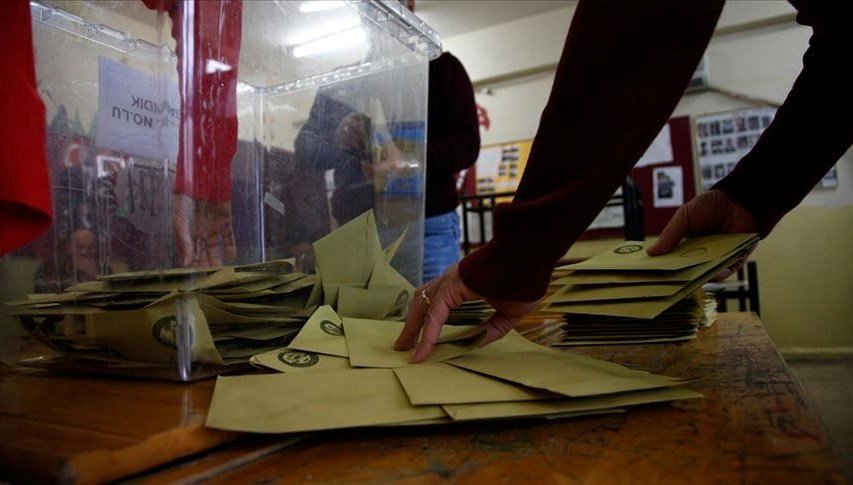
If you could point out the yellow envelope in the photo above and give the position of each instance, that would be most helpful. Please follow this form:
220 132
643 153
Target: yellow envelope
391 251
557 407
584 293
440 383
631 255
617 277
291 360
371 343
346 256
287 403
376 303
152 334
323 333
649 308
564 373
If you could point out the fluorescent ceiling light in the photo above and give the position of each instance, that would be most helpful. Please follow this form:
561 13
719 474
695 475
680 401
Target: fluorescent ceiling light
341 40
320 5
324 30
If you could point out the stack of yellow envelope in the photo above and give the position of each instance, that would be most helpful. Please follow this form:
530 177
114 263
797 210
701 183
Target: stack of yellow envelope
130 319
342 372
623 295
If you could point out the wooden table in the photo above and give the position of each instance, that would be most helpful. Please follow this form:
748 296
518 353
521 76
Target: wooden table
753 426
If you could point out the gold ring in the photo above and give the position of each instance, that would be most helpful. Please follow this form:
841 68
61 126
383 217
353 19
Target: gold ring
425 298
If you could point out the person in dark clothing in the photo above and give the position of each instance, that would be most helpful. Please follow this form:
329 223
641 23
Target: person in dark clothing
622 71
453 144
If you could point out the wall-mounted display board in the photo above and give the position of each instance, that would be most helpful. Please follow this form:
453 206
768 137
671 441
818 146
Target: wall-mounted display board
722 139
499 167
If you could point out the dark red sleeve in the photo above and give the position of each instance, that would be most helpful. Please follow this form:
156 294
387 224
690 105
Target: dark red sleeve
623 69
208 51
811 130
25 207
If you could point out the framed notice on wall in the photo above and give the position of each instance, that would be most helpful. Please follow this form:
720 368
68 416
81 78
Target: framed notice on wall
499 167
723 138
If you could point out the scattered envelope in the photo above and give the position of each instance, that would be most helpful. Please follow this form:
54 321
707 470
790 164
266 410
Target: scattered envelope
557 407
347 255
440 383
285 403
559 372
371 343
292 360
323 333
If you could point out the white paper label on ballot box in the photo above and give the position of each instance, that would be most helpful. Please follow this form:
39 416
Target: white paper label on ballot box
138 114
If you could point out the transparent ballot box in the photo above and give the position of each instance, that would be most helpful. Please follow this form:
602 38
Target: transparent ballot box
196 151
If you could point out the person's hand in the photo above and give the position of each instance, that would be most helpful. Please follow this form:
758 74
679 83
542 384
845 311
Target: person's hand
199 225
712 212
389 160
351 133
444 293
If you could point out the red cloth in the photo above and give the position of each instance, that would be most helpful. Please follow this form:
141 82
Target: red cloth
623 69
25 206
208 47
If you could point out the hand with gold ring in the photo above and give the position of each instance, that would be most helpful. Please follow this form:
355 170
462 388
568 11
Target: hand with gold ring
428 313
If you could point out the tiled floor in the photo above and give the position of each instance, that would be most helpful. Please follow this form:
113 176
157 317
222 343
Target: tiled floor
829 386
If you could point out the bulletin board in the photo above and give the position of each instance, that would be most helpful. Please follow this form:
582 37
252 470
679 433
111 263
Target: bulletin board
499 167
723 138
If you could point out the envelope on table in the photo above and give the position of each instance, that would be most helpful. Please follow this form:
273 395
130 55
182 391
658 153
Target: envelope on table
323 333
440 383
631 255
284 403
556 407
560 372
649 308
371 343
292 360
575 293
622 277
347 255
376 303
391 250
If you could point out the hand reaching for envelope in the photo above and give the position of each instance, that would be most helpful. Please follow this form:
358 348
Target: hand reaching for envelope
426 317
199 226
709 213
712 212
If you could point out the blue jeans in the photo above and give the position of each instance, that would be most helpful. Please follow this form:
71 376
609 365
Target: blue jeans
441 243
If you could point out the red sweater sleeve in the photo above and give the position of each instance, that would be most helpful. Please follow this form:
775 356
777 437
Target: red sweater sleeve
623 69
812 129
25 206
208 50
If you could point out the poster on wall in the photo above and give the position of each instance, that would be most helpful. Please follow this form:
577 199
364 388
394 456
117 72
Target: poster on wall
499 167
668 187
487 169
724 138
